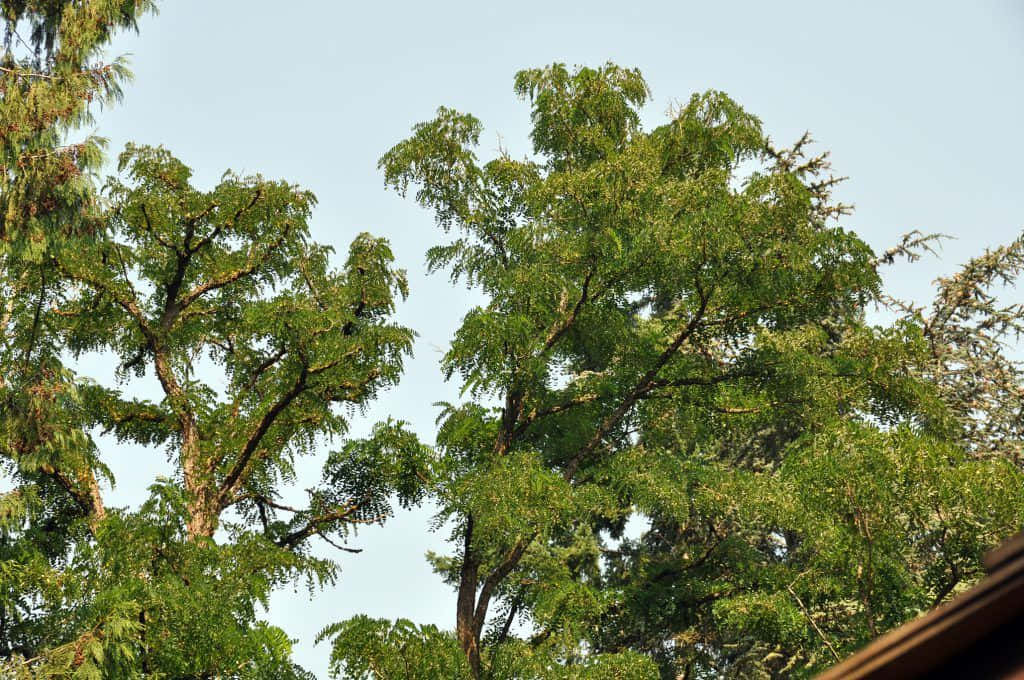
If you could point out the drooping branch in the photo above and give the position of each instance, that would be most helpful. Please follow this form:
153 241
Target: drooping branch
316 525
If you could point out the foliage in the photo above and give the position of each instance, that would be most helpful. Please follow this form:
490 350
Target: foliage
674 337
49 81
50 78
181 283
853 525
674 332
970 337
374 648
262 349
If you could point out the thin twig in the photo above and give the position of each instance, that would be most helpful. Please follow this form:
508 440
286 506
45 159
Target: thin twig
813 623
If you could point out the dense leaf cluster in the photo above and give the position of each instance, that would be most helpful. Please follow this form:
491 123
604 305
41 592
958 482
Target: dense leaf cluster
675 333
681 450
261 348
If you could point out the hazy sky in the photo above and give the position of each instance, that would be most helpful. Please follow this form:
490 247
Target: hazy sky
921 105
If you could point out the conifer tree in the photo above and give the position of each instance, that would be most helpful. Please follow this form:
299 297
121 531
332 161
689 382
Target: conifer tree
51 77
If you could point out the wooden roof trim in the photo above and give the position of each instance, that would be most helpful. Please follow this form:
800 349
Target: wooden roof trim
995 559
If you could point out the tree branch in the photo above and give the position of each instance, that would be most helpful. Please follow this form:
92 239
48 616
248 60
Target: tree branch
813 623
507 626
215 232
560 330
495 578
230 277
538 414
152 231
315 527
234 476
642 386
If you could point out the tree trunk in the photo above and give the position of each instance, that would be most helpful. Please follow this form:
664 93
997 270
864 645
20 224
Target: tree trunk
98 512
202 520
202 507
203 511
465 620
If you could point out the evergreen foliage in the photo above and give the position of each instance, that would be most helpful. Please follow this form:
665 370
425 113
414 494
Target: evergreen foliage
51 76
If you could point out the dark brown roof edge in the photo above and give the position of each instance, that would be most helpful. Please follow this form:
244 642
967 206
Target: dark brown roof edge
923 644
994 559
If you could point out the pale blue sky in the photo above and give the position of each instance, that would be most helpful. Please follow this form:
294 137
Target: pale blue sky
921 104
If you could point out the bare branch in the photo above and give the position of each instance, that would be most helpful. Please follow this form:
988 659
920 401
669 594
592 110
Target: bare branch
911 246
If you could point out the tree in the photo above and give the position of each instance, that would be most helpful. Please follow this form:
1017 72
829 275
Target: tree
803 540
230 275
634 279
170 280
188 286
50 77
49 81
674 333
970 339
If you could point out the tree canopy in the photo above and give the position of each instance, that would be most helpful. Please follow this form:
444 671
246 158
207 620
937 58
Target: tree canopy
675 332
260 346
684 447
